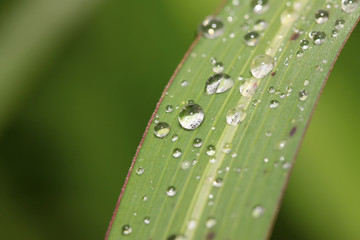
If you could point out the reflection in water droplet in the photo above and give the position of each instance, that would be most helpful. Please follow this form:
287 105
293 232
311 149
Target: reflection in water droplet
319 38
258 211
218 83
177 153
126 230
210 150
349 6
212 27
197 142
139 171
171 191
259 6
274 104
261 66
191 116
161 129
210 222
303 95
235 116
251 38
321 16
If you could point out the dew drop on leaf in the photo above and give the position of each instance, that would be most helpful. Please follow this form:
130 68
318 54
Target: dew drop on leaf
339 23
235 116
171 191
218 83
210 222
177 153
257 211
251 38
349 6
274 104
161 129
260 25
197 142
169 108
212 27
261 66
303 95
191 116
218 67
140 171
319 38
217 182
210 150
126 230
321 16
147 220
304 44
259 6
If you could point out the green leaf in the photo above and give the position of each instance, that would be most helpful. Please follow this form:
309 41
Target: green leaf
236 193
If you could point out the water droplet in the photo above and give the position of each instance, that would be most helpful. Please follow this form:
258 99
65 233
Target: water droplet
268 134
334 33
300 53
210 150
210 222
235 116
319 38
218 67
185 165
306 82
248 88
212 27
197 142
161 129
274 104
281 144
177 153
259 6
339 23
147 220
213 60
286 165
258 211
227 148
260 25
139 171
251 38
304 44
171 191
145 198
261 66
271 89
191 116
184 83
217 182
349 6
174 137
176 237
191 224
218 83
169 108
266 160
288 16
303 95
126 230
321 16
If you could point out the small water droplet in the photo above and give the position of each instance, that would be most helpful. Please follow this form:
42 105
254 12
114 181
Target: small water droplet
210 222
321 16
177 153
339 23
261 66
227 148
210 150
248 88
217 182
304 44
174 137
212 27
259 6
251 38
303 95
197 142
147 220
126 230
161 129
349 6
169 108
185 165
319 38
334 33
235 116
260 25
300 53
281 144
258 211
139 171
184 83
306 82
268 134
288 16
274 104
191 116
266 160
218 67
145 198
171 191
271 89
218 83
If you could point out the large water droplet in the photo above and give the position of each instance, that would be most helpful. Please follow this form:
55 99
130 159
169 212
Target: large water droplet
210 150
161 129
235 116
303 95
218 83
191 116
177 153
212 27
349 6
210 222
197 142
126 230
319 38
258 211
171 191
259 6
321 16
274 104
339 23
251 38
261 66
304 44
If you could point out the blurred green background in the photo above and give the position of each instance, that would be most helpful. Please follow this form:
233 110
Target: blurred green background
79 81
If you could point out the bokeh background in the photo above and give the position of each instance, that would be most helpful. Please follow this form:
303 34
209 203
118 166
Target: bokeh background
79 80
